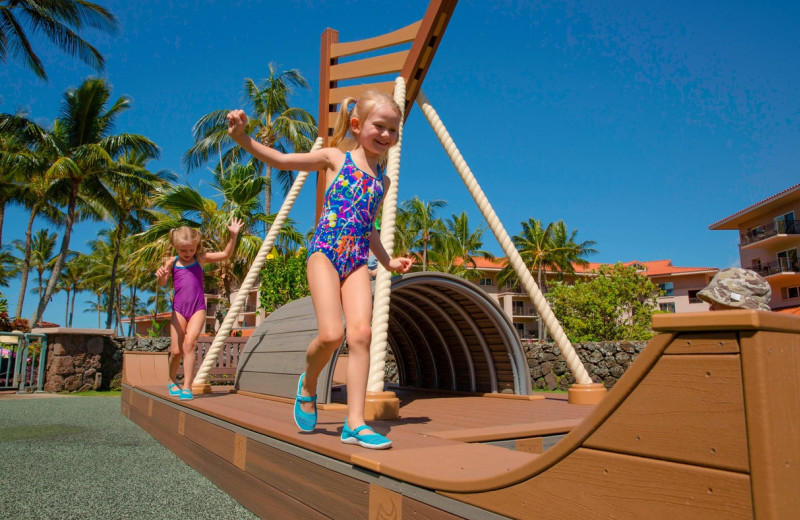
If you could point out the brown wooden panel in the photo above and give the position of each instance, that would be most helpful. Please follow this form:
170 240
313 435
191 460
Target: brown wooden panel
416 510
165 415
253 493
689 408
293 362
272 384
337 95
386 64
404 35
705 343
384 504
770 363
532 445
596 484
214 439
337 495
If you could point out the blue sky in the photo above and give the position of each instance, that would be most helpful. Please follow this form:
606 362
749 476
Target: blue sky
637 123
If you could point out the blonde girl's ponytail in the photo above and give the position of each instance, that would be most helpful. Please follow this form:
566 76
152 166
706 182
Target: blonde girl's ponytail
340 138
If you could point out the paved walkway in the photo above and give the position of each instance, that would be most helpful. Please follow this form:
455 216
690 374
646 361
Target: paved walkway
64 457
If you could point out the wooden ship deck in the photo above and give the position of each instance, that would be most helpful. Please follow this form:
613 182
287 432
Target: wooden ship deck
703 425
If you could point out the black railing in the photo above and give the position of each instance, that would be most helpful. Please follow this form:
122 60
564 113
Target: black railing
771 229
781 265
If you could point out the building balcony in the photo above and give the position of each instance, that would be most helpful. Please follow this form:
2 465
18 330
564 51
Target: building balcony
774 232
782 266
528 312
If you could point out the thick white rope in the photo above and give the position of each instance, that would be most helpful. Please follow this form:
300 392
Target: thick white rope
241 297
383 279
542 307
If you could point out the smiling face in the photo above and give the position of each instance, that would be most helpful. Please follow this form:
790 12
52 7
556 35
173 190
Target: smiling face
379 131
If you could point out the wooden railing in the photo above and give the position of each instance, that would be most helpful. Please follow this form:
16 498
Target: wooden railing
224 371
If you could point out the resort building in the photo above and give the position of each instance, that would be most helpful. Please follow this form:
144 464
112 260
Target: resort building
769 236
679 285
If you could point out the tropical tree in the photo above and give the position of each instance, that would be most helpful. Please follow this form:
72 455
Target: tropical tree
37 188
82 150
271 121
59 21
71 283
548 247
616 304
42 256
131 211
456 247
423 224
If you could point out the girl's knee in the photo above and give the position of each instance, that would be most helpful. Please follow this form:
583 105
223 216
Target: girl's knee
359 335
331 337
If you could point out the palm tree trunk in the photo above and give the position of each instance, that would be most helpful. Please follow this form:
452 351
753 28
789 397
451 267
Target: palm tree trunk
26 265
268 197
132 314
541 324
119 310
424 255
62 255
66 310
72 307
2 218
113 278
99 309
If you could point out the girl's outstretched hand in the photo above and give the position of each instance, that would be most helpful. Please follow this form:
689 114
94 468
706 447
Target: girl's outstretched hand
400 264
237 120
235 226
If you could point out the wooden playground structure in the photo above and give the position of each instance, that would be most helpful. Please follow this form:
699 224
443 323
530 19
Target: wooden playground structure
703 425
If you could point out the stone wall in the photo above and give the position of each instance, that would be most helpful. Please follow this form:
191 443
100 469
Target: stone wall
78 362
605 362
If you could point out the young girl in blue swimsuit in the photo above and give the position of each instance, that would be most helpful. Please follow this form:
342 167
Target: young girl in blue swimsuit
337 260
189 302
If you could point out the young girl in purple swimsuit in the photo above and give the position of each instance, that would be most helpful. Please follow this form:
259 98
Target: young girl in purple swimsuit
188 303
337 261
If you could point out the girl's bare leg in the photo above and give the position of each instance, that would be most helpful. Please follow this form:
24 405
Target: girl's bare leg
177 330
189 346
357 306
323 282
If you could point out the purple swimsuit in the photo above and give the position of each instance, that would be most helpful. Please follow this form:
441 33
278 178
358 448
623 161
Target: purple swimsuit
348 215
189 295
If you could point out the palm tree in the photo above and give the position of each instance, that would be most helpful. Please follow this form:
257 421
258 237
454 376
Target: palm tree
423 223
72 282
550 247
457 246
273 123
37 189
42 256
131 209
56 20
82 150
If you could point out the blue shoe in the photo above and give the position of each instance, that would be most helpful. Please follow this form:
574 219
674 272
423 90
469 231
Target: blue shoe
186 395
174 390
368 439
304 420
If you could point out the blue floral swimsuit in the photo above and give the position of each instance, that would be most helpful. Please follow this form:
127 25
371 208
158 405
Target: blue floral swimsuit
348 215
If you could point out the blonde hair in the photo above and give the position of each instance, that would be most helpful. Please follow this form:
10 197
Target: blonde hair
186 235
343 137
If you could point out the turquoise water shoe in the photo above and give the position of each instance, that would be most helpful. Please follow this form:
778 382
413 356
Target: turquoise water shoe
367 439
186 395
304 420
174 390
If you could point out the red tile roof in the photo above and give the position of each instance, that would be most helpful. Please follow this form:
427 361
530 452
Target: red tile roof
721 222
651 268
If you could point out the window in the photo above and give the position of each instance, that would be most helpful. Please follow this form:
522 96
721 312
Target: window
693 297
486 281
790 292
787 260
518 307
666 287
520 329
755 264
785 223
669 307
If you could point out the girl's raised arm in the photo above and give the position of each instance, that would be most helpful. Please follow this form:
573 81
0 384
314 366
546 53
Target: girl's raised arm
233 229
322 159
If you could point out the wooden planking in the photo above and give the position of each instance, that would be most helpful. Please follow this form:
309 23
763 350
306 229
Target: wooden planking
400 36
770 364
416 510
705 343
283 385
508 431
253 493
689 408
214 439
338 94
334 494
385 504
378 65
278 362
596 484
